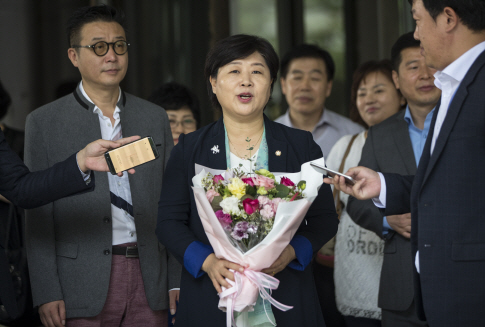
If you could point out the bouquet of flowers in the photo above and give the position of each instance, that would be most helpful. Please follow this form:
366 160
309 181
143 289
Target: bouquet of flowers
246 206
250 220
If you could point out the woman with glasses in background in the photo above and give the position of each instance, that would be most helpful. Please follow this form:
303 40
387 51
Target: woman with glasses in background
181 105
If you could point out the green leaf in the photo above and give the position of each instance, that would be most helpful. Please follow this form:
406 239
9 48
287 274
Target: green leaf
216 203
251 190
282 190
302 185
247 196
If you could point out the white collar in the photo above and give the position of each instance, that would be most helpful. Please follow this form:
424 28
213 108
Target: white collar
96 109
458 68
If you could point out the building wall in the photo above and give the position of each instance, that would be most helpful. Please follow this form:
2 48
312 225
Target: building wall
169 41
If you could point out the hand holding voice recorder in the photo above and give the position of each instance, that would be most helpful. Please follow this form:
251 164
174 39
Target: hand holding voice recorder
131 155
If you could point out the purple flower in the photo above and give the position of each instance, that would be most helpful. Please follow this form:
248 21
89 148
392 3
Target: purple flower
224 219
240 231
241 226
250 205
252 229
248 181
217 178
239 235
286 181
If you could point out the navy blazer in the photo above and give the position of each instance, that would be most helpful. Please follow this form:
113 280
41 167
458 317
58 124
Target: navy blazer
179 224
446 200
29 190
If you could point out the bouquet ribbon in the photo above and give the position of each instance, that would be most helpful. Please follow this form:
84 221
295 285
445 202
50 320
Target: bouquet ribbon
262 281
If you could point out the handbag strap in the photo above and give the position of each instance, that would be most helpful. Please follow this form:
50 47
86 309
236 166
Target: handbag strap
336 193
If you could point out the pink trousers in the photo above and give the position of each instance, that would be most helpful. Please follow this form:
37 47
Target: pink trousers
126 304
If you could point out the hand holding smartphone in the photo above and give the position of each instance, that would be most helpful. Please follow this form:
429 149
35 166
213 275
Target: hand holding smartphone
131 155
331 173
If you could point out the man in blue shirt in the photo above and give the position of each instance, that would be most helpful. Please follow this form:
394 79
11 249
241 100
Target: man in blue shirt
395 146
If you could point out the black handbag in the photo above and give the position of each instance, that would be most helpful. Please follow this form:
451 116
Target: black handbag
16 307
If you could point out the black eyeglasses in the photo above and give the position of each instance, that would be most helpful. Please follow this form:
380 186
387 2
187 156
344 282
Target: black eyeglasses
101 48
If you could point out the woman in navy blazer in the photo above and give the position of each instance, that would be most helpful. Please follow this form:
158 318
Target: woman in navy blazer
241 70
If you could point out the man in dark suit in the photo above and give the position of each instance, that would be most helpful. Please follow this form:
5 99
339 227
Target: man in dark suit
31 189
446 195
395 146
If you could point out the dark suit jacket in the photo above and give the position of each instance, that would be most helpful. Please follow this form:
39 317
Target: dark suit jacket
446 198
388 149
29 190
179 224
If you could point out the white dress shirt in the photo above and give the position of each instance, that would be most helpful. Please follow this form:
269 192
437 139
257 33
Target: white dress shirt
123 223
447 81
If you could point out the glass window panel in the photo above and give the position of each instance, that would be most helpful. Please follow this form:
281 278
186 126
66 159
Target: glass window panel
324 26
255 17
258 17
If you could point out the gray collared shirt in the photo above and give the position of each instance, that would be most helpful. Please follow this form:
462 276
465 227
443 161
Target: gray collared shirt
329 129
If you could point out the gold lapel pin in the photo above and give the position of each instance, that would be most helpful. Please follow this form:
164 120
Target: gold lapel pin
278 153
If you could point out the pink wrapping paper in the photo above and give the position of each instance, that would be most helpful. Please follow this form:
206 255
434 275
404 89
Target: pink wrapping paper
287 220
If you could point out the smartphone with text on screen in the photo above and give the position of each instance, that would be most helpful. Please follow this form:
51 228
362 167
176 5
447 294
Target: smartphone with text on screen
131 155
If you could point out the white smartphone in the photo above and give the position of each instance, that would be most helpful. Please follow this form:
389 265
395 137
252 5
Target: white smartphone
331 173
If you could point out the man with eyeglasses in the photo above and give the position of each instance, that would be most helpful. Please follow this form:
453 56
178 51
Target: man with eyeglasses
94 259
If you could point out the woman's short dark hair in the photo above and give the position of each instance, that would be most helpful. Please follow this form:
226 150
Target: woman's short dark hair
384 67
174 96
235 47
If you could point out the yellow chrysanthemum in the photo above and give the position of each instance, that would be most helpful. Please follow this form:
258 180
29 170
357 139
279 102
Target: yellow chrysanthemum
237 187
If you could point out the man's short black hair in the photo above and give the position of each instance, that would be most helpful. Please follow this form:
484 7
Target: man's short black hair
471 12
405 41
308 51
234 47
174 96
85 15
